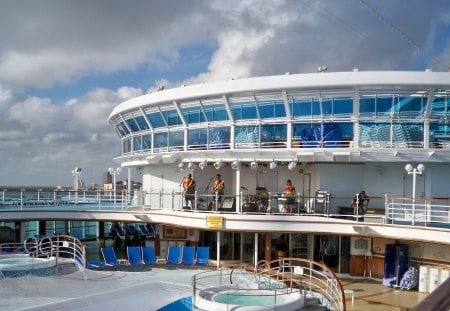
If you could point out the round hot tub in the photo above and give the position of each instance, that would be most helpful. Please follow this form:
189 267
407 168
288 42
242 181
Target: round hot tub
19 265
231 298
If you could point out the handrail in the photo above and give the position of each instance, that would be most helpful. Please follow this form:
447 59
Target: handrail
437 300
281 277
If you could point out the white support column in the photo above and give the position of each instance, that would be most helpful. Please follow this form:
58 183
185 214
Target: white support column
255 256
218 249
238 190
129 186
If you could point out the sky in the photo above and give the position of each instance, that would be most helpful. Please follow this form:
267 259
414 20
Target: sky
64 64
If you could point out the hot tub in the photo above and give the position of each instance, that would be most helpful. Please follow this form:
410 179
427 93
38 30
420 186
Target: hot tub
19 265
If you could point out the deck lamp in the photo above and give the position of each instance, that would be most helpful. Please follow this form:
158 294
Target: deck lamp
235 165
203 164
218 164
292 165
191 165
273 165
414 171
254 166
113 173
181 166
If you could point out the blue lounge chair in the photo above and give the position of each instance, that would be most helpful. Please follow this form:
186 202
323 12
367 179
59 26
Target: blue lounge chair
96 264
134 255
148 255
202 255
174 255
109 256
188 255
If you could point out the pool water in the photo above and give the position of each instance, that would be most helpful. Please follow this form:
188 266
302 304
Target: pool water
248 298
24 265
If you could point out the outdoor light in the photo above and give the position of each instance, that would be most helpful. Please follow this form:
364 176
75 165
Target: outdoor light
218 164
292 165
203 164
181 166
235 165
273 165
254 166
191 165
114 172
414 171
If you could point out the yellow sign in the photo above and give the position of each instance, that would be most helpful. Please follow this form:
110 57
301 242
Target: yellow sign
214 222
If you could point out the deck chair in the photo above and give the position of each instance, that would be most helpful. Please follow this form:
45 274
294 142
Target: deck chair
202 255
188 255
95 264
148 255
109 256
174 255
134 255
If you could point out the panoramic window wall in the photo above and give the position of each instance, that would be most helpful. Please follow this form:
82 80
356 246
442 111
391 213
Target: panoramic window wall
384 134
160 143
176 140
322 134
197 138
194 114
244 109
273 135
219 137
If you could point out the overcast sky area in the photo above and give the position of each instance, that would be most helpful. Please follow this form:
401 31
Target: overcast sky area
64 64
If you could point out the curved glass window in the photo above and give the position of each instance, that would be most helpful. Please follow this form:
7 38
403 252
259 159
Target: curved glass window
197 138
123 130
440 106
272 109
391 134
327 134
160 143
156 119
132 125
219 137
301 108
172 117
137 143
147 142
273 135
193 114
244 111
246 135
343 106
410 105
140 120
176 140
216 113
126 145
376 105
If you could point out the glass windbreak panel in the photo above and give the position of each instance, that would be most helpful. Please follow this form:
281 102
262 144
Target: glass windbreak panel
272 109
327 106
244 111
274 133
374 132
176 139
160 140
367 105
219 136
147 142
140 120
193 114
123 130
439 132
410 105
318 135
216 113
316 111
197 137
172 117
301 108
137 141
342 106
384 105
440 106
132 125
246 134
156 119
346 131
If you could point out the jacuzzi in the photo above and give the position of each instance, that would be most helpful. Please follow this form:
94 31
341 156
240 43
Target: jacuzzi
14 265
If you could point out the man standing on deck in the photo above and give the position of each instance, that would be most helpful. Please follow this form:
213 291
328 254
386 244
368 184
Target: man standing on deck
189 191
218 189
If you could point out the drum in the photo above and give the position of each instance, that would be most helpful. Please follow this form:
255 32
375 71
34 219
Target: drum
249 207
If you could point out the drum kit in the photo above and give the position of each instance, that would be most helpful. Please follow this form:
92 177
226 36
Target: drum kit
255 203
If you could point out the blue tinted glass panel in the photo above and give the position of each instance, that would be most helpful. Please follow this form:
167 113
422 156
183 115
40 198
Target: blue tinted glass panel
246 134
273 109
367 105
132 125
219 135
128 145
197 137
327 106
156 119
410 105
141 122
160 140
137 141
374 132
345 131
123 130
316 107
172 118
384 105
193 115
301 108
216 113
343 106
244 111
176 139
274 133
440 106
147 142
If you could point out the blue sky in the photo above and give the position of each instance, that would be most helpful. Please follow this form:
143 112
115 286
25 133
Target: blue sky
64 65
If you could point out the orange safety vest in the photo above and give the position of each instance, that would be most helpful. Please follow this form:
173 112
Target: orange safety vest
187 183
290 189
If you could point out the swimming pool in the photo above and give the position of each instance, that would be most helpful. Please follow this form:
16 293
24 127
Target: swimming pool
19 265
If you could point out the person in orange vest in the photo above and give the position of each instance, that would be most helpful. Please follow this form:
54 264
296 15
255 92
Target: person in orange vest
218 189
289 191
189 191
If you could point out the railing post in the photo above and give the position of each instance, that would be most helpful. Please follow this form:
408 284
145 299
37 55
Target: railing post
160 199
173 200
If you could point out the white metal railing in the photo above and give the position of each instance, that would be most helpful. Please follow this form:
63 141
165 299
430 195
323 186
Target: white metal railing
271 281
